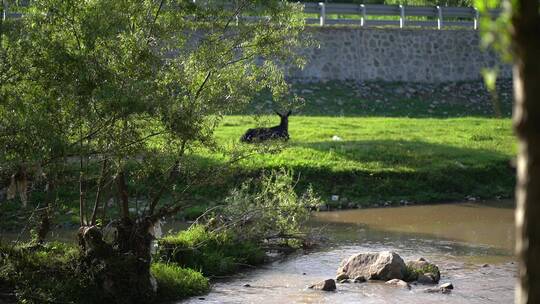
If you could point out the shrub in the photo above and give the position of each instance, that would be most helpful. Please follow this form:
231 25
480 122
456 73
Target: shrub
48 273
269 208
211 252
175 282
262 213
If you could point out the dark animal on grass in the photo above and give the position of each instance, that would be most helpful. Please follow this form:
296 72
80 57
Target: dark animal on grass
262 134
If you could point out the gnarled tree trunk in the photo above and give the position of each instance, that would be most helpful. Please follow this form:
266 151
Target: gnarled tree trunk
121 264
121 267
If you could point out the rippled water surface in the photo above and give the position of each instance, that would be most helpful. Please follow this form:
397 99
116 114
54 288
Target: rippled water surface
459 238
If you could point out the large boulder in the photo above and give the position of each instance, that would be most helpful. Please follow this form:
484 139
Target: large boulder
385 265
423 272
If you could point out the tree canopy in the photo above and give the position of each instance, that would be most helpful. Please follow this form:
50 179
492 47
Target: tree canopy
119 80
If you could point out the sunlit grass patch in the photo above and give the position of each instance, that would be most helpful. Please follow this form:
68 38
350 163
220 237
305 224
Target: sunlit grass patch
382 158
175 282
212 253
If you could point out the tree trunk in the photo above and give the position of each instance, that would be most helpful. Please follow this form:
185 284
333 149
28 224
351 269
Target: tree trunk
44 226
123 194
526 31
121 268
122 264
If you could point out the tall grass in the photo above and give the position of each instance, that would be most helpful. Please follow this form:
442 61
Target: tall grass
212 253
175 282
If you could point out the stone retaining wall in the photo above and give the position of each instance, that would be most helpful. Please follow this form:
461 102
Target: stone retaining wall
412 55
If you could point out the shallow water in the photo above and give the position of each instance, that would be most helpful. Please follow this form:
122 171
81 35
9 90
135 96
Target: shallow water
459 238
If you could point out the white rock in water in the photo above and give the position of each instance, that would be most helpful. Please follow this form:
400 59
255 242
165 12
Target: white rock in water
398 282
385 265
447 286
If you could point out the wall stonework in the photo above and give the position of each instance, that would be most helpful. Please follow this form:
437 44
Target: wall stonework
412 55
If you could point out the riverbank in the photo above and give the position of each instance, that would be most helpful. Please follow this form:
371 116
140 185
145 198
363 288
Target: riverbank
358 145
374 160
182 267
264 216
460 238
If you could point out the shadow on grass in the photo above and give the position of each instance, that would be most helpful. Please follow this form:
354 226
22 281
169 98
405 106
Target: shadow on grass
411 170
394 170
388 170
412 155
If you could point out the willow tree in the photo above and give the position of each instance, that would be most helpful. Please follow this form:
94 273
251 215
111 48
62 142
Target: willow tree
516 34
126 89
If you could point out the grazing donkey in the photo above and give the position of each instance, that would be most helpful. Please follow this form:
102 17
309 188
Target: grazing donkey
262 134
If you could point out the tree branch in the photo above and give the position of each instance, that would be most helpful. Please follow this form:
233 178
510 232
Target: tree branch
176 205
101 183
172 173
154 21
202 85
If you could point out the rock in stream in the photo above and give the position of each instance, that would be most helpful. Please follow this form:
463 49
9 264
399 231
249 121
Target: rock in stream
385 265
326 285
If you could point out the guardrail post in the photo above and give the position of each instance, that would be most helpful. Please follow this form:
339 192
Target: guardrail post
236 17
4 11
439 17
476 16
401 16
363 16
322 15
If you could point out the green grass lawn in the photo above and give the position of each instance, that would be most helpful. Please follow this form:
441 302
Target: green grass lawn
389 159
421 143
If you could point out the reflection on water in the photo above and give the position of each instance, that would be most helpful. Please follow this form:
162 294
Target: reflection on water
460 238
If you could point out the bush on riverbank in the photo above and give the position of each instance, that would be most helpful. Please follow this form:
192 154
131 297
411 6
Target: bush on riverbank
176 283
48 273
262 214
212 253
52 273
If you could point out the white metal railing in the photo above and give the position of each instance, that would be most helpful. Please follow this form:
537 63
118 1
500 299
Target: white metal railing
434 16
430 16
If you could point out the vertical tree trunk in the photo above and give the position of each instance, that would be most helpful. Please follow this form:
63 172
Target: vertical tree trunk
123 194
526 37
44 226
2 12
99 192
82 206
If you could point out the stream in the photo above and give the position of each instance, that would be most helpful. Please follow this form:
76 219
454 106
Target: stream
472 243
